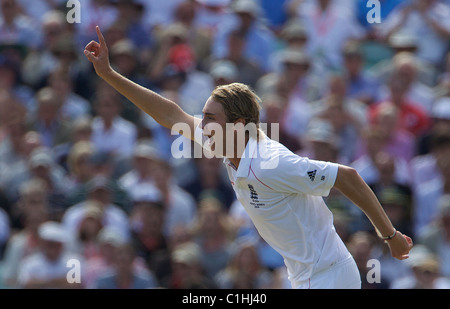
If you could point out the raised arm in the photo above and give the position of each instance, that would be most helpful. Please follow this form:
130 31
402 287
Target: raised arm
350 183
164 111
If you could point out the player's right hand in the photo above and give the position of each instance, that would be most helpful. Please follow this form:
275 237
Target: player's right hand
97 53
400 246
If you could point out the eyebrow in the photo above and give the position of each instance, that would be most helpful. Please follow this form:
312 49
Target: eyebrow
208 114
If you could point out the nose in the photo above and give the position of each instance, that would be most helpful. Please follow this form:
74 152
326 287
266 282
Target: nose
202 124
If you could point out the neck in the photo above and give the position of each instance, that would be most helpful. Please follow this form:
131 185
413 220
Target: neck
124 278
107 122
236 159
323 5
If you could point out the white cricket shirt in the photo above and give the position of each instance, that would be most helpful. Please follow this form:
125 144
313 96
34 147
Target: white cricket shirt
282 193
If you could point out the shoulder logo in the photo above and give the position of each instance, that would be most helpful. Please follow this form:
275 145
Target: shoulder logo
312 175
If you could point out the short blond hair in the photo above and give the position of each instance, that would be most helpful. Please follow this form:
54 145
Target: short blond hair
238 101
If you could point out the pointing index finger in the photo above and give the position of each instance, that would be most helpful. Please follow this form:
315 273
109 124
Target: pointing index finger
101 39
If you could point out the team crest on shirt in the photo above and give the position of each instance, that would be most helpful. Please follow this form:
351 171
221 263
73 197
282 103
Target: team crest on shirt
254 197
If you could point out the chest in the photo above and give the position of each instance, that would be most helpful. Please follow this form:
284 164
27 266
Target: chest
254 193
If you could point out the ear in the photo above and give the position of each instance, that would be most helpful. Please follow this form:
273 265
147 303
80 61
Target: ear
240 120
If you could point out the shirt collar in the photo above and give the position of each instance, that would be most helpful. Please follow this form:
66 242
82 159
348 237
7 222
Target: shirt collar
247 157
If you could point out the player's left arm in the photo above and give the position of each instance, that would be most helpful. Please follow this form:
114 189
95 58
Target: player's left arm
349 182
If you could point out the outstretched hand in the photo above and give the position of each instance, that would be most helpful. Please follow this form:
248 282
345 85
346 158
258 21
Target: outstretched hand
97 53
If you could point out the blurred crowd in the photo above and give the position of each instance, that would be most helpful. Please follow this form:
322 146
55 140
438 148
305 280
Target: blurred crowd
86 175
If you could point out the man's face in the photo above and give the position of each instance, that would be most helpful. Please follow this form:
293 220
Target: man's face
107 108
52 249
214 126
221 136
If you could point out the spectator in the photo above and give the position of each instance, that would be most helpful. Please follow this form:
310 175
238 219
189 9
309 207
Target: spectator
53 129
427 21
38 64
179 236
248 71
329 27
395 140
426 197
405 69
412 117
110 132
109 240
403 42
47 268
73 106
292 36
361 85
260 42
361 245
436 236
187 270
213 231
16 27
224 72
125 61
175 56
93 13
180 206
160 15
347 116
12 150
31 212
209 178
426 272
11 85
11 112
426 167
86 237
101 165
29 142
321 141
198 36
99 190
211 14
297 87
38 9
123 274
32 193
275 111
366 166
148 231
440 122
129 14
68 62
81 131
41 165
145 156
397 203
244 270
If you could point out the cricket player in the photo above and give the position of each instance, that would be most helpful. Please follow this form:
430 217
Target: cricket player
282 192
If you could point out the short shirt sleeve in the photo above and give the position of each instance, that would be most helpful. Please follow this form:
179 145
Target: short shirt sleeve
296 174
